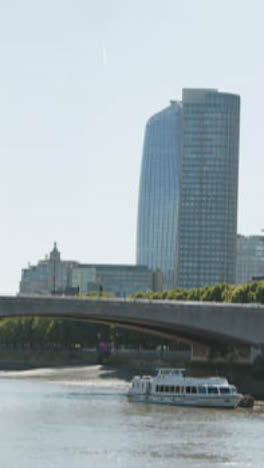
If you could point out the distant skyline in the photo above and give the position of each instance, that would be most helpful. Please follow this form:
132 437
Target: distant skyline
78 82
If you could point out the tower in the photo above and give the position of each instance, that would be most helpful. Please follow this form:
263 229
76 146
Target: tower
54 269
206 247
159 193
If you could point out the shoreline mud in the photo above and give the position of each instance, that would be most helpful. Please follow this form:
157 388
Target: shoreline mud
76 374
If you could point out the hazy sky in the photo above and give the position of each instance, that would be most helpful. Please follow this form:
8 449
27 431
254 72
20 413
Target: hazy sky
79 79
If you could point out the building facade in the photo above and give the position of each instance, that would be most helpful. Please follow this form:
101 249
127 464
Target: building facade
35 279
120 280
159 193
55 276
50 276
250 258
207 229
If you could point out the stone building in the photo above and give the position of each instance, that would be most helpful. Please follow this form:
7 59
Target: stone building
50 276
55 276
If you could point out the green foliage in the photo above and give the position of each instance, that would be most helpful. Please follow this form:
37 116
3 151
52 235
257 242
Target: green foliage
259 293
48 333
222 292
143 295
177 294
44 333
245 293
138 295
156 295
194 295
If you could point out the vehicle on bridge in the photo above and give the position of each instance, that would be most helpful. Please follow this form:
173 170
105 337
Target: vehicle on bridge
170 386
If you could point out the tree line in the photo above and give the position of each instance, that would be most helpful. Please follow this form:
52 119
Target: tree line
45 333
222 292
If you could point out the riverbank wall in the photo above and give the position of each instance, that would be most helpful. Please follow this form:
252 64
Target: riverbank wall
248 378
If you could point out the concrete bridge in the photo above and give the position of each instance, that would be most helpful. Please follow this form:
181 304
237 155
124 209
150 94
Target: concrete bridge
210 324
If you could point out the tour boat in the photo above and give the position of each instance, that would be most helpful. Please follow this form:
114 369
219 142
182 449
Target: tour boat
170 386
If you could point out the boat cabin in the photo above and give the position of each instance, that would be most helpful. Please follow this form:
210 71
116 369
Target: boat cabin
195 390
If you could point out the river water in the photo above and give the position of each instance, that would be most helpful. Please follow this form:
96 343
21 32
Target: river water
76 419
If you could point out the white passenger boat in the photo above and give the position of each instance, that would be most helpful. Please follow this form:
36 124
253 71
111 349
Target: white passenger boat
170 386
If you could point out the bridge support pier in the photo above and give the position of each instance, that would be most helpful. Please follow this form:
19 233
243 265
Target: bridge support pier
223 353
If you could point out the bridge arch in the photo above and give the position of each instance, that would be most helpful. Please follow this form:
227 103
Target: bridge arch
195 322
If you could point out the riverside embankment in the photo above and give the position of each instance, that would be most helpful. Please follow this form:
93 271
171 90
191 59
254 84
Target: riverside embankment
248 378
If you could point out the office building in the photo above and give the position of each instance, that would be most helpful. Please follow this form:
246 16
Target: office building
250 258
120 280
159 193
55 276
50 276
206 247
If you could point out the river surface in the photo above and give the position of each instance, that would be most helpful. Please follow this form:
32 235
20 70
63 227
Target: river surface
82 418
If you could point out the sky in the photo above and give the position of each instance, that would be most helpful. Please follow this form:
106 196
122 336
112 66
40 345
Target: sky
78 81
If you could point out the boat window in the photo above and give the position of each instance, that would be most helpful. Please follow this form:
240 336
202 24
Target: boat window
194 389
171 388
224 390
177 389
188 389
167 388
161 388
213 390
202 390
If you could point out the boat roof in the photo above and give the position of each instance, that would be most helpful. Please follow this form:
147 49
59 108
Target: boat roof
176 376
168 375
166 371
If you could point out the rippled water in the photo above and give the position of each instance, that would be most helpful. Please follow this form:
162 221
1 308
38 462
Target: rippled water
52 424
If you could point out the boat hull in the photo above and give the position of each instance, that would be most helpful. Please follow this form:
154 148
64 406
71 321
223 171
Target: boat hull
214 402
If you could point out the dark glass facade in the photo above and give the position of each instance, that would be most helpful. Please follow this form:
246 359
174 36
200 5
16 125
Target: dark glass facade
250 258
206 251
120 280
159 193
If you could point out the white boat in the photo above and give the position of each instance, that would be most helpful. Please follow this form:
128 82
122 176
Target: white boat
170 386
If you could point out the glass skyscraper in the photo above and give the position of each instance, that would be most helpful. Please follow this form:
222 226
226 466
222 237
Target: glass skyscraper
250 258
206 246
159 193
